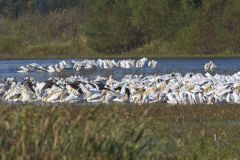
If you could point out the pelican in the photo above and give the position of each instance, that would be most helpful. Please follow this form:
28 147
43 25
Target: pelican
171 98
152 64
210 67
141 63
27 93
108 95
23 69
51 69
53 94
13 93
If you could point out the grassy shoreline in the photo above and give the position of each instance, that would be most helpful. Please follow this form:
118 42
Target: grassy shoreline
46 56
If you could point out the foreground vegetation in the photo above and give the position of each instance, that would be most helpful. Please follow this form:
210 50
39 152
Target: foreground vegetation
119 132
47 29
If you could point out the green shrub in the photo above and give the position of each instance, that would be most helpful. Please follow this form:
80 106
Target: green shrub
109 29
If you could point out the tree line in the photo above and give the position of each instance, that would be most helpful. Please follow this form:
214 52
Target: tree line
117 26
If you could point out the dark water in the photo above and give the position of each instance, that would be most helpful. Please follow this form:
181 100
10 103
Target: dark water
225 66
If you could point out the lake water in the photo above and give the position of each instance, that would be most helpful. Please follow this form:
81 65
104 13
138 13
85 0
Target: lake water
225 66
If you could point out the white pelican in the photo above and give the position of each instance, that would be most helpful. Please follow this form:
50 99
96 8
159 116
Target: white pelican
210 67
152 64
23 69
141 63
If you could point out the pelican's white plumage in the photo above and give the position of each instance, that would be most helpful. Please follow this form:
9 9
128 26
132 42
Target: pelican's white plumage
210 67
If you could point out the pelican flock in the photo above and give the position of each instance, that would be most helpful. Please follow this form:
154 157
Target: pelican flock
88 64
174 88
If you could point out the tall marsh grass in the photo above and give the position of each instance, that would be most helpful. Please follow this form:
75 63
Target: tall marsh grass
41 133
118 132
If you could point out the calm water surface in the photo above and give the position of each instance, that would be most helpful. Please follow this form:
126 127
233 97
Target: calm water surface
225 66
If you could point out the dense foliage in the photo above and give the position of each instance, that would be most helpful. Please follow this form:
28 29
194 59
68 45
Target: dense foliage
117 26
